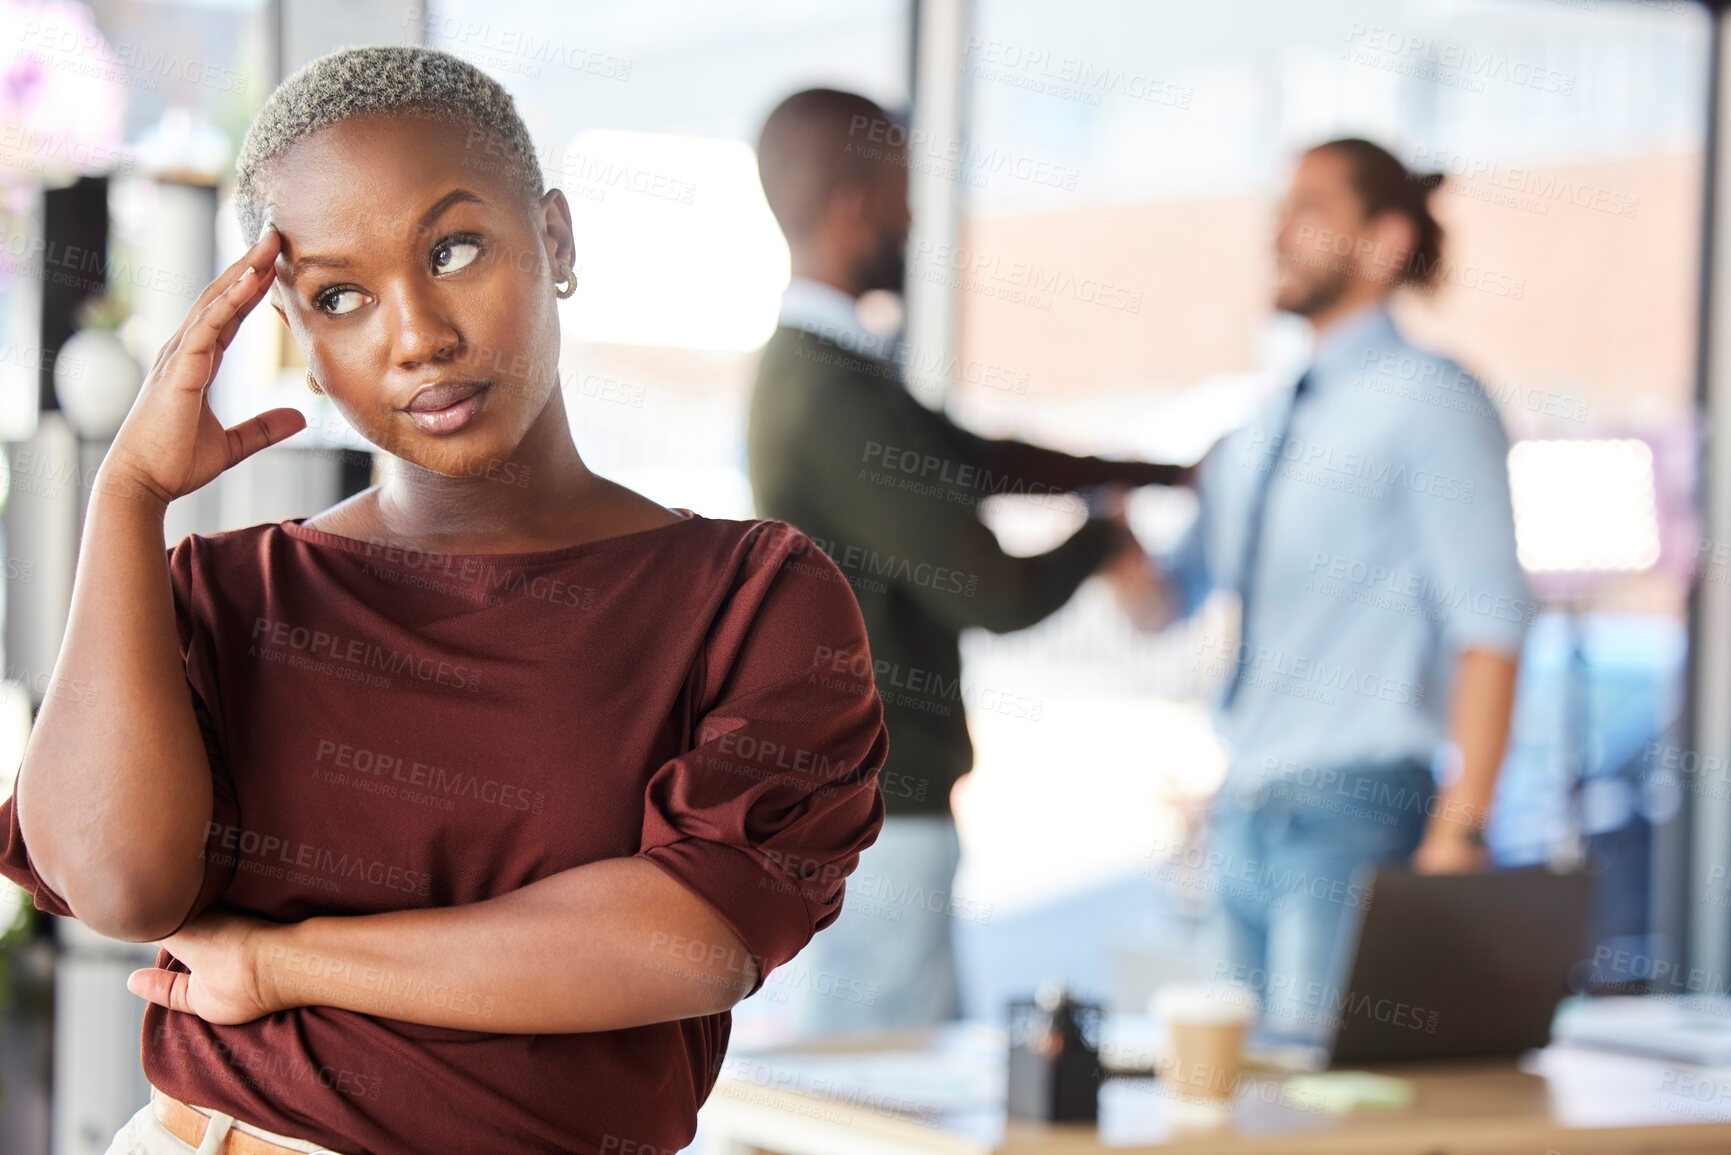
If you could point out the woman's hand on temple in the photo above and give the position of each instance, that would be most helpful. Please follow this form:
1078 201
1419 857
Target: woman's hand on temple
224 953
171 443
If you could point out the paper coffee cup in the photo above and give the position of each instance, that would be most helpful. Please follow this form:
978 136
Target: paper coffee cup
1205 1028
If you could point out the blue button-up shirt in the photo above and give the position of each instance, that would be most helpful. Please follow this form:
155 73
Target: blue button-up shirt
1387 548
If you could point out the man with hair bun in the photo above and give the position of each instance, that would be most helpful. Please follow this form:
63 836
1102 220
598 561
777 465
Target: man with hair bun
1363 519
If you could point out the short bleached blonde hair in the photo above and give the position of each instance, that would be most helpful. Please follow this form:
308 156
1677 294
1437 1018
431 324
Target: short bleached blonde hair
379 80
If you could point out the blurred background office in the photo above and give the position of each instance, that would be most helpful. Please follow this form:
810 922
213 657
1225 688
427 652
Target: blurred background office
1093 190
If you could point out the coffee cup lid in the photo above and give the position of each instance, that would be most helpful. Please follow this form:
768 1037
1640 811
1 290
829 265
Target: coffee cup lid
1214 1002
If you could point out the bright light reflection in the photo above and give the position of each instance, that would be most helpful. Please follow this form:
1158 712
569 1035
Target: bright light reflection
1584 506
675 242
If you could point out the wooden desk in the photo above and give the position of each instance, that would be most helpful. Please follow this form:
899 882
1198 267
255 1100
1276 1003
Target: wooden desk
862 1097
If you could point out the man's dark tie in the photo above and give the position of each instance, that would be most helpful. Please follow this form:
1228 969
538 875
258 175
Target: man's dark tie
1252 546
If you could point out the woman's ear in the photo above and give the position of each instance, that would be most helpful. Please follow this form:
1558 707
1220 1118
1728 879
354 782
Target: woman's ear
556 230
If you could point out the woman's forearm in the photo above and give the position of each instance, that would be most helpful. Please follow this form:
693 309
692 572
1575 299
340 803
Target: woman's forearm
114 790
606 946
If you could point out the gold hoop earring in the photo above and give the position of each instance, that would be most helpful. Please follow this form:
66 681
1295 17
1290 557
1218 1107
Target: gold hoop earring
311 384
565 274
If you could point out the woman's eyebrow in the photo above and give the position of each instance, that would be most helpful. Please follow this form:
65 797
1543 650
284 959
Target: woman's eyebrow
454 197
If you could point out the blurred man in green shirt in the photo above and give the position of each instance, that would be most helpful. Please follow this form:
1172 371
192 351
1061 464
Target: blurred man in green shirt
890 490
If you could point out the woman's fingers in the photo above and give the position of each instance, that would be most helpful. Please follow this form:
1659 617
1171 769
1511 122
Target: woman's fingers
260 258
230 304
266 429
165 988
225 335
209 332
170 443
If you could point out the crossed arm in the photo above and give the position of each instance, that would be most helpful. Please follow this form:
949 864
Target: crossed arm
114 810
605 946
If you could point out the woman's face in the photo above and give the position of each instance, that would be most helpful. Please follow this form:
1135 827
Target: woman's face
417 276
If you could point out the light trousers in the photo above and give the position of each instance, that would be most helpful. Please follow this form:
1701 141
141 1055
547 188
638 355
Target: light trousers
144 1135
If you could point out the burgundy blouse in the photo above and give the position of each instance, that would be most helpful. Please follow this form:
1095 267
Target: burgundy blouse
391 729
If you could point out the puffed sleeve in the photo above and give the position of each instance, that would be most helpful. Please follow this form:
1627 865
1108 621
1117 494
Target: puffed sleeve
764 817
195 652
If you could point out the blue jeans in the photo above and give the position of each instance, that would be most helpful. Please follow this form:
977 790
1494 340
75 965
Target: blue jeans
888 960
1290 889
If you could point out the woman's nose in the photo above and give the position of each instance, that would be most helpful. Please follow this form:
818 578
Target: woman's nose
424 330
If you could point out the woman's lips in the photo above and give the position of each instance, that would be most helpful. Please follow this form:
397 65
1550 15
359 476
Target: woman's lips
453 416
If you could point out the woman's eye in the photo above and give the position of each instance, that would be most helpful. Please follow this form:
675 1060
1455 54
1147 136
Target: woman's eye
453 255
338 301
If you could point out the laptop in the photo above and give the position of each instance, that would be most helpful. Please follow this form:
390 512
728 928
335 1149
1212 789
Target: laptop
1460 965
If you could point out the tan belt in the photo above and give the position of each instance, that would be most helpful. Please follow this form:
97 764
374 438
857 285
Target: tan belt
188 1124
